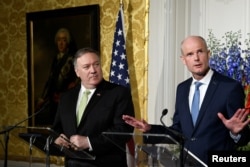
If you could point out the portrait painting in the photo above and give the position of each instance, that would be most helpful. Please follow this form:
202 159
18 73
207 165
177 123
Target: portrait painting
53 37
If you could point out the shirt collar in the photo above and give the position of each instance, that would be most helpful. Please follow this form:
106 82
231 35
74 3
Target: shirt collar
206 79
83 89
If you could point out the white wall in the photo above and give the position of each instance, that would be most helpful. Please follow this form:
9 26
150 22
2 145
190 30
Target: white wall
169 22
166 30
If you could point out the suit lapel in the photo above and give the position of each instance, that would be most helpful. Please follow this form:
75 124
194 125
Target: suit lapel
72 109
187 115
99 92
94 99
208 97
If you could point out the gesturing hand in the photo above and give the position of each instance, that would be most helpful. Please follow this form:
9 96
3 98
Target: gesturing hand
237 122
140 125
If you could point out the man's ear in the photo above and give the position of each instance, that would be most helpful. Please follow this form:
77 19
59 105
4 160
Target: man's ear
183 59
209 53
76 71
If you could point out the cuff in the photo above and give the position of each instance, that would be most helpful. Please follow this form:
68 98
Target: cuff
235 138
90 147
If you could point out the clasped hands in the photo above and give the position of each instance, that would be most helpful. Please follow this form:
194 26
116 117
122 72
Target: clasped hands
75 142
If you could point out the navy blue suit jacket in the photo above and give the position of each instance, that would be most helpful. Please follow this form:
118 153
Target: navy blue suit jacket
103 113
223 95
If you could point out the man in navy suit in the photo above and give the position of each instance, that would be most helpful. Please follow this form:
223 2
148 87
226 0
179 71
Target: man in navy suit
103 113
222 120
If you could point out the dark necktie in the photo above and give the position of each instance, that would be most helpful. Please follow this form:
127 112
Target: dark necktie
196 102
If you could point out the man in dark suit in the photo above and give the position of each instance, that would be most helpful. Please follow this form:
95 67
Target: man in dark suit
103 113
222 121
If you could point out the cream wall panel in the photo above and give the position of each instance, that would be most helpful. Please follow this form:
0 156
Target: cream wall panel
226 15
167 25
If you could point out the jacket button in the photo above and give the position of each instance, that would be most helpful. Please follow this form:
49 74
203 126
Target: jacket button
193 139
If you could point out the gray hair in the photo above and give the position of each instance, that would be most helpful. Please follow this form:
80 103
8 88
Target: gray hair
82 52
66 32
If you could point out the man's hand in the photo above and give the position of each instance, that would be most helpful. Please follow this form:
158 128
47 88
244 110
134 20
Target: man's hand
79 142
62 141
237 122
140 125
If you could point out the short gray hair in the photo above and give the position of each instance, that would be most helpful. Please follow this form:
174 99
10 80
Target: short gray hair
66 32
83 51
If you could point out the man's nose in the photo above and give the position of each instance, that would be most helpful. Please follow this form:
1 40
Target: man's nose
196 56
92 69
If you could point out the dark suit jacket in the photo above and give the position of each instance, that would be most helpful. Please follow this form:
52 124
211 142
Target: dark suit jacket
223 95
102 114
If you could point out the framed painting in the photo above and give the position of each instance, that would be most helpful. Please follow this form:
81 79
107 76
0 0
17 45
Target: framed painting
53 37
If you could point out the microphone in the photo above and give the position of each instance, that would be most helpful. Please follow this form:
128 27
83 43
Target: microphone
172 131
9 128
177 134
164 112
